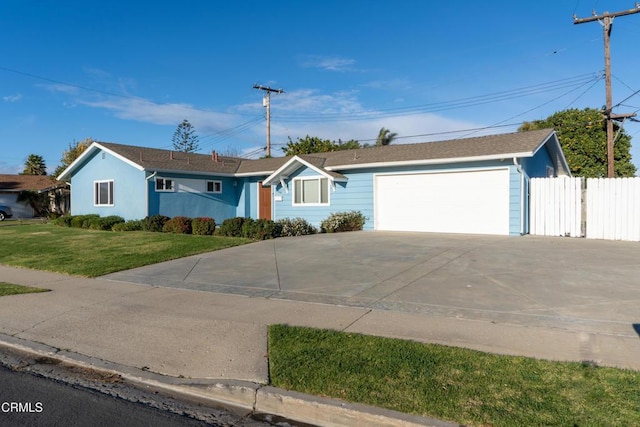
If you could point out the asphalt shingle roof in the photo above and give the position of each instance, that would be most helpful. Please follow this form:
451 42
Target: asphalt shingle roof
493 145
155 158
489 146
16 183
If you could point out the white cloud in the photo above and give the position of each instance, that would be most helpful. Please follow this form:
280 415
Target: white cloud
313 101
12 98
141 110
410 129
60 88
341 115
328 63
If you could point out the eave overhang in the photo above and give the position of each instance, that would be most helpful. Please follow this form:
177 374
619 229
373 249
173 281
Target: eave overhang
295 163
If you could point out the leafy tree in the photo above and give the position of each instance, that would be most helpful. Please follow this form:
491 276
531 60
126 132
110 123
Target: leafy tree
312 144
583 137
70 155
39 202
34 165
385 136
185 138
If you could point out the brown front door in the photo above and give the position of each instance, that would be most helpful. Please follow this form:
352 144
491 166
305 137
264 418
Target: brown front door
264 202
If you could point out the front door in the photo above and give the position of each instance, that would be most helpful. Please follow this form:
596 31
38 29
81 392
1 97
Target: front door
264 202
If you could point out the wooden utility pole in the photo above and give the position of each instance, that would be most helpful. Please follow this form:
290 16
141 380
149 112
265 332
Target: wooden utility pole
267 103
606 19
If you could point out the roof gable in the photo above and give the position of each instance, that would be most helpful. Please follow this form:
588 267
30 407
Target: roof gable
297 162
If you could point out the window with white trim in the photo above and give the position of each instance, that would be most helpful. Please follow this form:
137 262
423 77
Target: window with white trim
310 191
103 193
164 184
214 186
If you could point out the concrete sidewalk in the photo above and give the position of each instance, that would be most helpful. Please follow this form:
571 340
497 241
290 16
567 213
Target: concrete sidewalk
217 342
200 345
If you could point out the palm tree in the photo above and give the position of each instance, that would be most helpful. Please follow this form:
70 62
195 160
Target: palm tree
385 136
34 165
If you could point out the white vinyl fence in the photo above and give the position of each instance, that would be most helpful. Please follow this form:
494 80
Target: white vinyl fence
613 208
556 207
609 208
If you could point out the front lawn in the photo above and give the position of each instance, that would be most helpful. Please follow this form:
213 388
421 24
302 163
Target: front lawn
95 253
11 289
460 385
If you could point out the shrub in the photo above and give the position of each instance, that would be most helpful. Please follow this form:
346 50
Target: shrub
154 223
63 221
295 227
232 227
83 221
178 225
105 223
135 225
343 221
203 226
260 229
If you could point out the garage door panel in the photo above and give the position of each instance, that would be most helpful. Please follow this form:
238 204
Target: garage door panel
454 202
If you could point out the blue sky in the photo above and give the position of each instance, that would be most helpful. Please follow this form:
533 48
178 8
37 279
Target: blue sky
130 71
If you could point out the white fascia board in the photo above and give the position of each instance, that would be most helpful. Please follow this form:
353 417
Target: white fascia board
263 173
429 161
321 171
291 166
274 177
86 153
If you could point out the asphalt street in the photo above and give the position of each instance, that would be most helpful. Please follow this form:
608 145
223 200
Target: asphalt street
42 392
29 400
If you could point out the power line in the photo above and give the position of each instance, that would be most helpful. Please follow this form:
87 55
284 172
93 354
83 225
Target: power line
572 82
542 105
103 92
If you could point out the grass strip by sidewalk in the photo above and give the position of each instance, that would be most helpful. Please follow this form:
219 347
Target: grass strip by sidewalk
11 289
95 253
450 383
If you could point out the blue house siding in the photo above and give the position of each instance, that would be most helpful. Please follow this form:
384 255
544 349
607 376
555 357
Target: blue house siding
248 197
355 194
358 193
536 166
284 208
129 190
190 198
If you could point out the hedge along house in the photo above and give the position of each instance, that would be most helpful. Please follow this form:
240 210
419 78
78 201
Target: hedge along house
474 185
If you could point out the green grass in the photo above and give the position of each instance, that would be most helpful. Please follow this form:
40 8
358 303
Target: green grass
11 289
94 253
449 383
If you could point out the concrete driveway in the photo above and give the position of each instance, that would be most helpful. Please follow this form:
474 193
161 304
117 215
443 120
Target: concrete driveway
566 283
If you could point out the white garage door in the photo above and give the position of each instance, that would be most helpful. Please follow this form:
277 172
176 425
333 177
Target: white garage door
455 202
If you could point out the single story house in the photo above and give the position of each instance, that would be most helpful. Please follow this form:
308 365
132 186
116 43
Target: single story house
474 185
12 185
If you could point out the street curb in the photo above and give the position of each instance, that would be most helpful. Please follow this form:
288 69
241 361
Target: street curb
244 398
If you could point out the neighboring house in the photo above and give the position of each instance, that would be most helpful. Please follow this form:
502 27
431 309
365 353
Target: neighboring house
12 185
473 185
